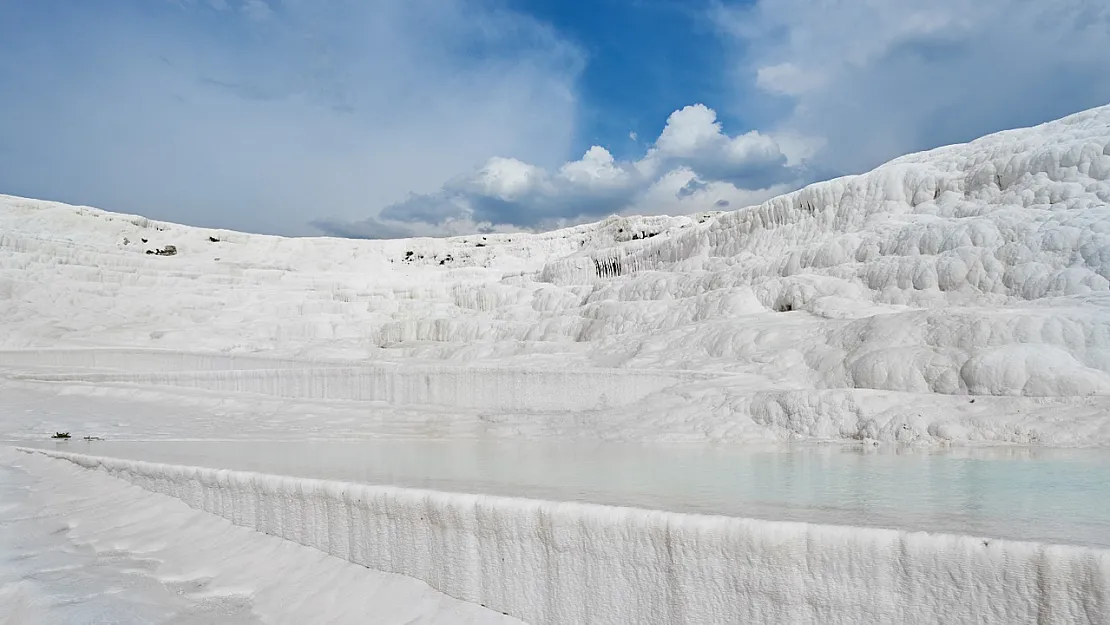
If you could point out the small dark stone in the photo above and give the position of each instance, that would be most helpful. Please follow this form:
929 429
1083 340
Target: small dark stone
213 239
143 240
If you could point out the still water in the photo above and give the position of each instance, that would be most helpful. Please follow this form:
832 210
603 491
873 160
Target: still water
1048 495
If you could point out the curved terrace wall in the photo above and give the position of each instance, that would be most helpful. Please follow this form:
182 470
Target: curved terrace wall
548 562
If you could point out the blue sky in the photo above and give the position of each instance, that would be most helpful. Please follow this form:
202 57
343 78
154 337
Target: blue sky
427 117
645 59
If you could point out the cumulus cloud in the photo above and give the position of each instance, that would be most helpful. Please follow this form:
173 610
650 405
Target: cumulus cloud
863 82
693 137
693 165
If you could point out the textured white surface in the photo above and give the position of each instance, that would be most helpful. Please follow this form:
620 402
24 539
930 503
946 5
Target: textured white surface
462 387
550 562
78 546
869 306
1028 493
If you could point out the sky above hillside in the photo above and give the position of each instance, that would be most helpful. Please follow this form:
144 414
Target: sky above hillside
427 117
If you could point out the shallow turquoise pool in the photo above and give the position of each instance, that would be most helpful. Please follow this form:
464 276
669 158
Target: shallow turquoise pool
1049 495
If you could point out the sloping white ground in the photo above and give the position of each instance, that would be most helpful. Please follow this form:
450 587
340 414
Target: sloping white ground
551 562
874 306
79 546
958 295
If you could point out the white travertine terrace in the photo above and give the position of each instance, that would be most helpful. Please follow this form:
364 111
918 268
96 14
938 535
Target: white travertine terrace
870 306
956 296
552 562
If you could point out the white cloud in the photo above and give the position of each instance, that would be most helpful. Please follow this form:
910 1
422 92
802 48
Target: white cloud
861 82
681 192
788 79
693 133
693 137
325 108
597 169
693 165
689 131
505 178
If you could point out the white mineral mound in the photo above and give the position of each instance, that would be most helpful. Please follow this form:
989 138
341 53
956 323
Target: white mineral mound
872 306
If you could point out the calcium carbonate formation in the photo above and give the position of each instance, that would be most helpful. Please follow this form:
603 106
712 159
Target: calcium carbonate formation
866 307
549 562
960 295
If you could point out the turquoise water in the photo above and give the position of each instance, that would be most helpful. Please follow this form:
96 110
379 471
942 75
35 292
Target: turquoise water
1048 495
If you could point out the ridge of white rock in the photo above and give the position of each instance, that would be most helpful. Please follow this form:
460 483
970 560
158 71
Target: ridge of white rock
79 546
547 562
869 306
502 388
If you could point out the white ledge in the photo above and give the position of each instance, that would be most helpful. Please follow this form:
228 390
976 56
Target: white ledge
551 562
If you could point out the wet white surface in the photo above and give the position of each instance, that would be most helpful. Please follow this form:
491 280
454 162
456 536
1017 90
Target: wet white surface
1046 495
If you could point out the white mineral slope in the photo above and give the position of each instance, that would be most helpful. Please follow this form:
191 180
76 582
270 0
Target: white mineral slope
79 546
547 562
872 306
